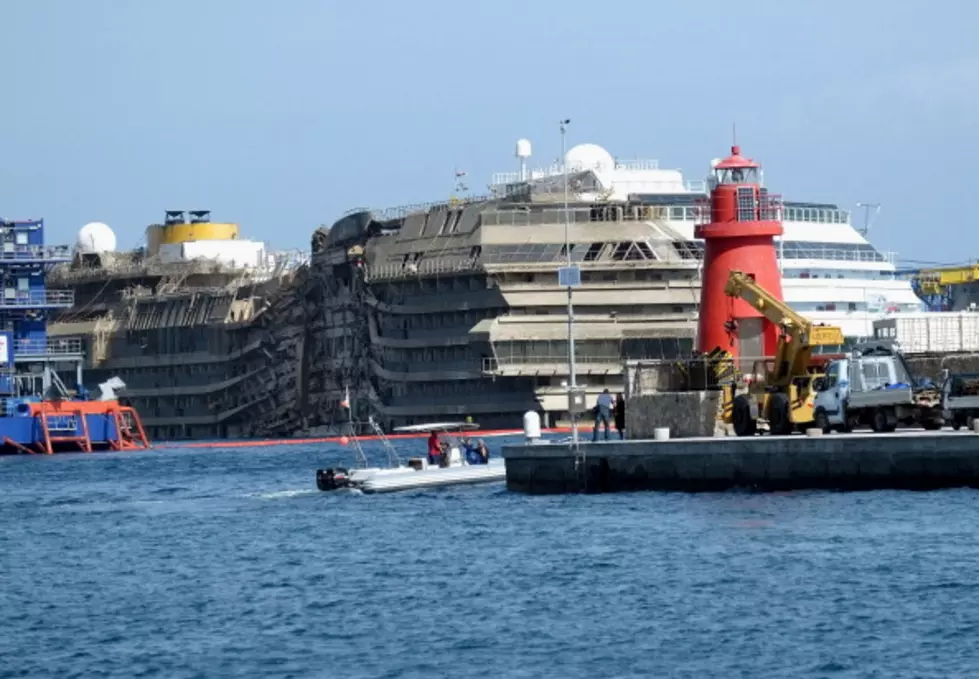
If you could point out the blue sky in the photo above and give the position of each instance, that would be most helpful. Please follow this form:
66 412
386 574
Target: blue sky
282 115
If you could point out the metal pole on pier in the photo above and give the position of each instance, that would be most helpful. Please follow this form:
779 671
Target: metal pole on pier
569 277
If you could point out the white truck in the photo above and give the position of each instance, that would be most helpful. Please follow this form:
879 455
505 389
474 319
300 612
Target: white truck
873 386
960 399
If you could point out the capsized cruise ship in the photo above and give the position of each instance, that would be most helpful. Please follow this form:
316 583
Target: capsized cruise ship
454 308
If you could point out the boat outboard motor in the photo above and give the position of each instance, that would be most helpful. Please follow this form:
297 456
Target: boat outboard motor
331 479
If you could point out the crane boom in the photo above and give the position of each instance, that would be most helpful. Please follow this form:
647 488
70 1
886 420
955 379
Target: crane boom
799 334
781 314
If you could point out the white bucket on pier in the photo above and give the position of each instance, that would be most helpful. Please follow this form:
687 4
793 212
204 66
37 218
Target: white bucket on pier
531 425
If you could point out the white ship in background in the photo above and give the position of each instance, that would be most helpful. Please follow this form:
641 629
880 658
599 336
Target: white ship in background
831 272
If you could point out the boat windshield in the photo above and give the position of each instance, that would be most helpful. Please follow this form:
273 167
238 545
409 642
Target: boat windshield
448 436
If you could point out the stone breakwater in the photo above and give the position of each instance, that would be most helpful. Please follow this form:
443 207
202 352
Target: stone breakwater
907 460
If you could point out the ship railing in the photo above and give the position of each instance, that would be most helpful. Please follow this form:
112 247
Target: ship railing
282 262
498 363
619 189
402 211
522 215
790 250
130 268
558 169
38 298
767 207
36 253
639 187
47 347
690 253
424 267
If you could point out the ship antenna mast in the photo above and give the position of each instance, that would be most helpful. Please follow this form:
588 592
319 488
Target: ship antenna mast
867 219
459 186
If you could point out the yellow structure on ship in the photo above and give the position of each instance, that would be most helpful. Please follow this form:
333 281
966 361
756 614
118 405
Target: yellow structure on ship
176 229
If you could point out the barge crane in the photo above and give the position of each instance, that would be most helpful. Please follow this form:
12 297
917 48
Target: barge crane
38 412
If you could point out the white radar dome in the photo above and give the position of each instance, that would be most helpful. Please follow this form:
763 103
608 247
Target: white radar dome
589 157
523 148
95 237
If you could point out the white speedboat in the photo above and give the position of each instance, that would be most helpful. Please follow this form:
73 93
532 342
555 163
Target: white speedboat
453 469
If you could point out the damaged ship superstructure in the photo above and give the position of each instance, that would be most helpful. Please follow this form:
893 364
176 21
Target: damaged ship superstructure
200 325
454 309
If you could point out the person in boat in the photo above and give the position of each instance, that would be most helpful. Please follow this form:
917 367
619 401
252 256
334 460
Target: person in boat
471 451
476 453
435 449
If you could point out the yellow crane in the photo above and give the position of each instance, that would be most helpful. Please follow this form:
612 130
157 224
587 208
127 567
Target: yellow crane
938 286
784 397
934 281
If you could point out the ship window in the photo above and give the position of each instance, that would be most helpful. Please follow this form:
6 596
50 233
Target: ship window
445 217
20 238
621 251
23 284
594 251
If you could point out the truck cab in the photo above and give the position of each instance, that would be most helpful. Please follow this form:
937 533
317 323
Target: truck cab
960 399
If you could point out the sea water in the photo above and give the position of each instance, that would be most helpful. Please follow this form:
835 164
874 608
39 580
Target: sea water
180 562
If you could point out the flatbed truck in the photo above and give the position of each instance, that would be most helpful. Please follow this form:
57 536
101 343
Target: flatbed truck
874 387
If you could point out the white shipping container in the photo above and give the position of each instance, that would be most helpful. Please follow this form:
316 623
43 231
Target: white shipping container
936 332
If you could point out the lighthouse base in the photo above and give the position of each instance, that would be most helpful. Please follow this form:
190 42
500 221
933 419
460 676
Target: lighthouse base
750 343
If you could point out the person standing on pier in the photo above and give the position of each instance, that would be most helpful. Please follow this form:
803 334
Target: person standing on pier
603 413
619 413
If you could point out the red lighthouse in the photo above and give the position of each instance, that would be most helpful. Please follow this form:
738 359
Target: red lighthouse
738 226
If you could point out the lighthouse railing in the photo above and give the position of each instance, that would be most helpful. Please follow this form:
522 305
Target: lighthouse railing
765 207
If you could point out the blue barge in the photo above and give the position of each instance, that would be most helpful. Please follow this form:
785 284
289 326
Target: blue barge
39 412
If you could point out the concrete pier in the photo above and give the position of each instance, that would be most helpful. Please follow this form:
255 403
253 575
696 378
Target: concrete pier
903 460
